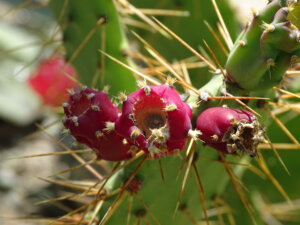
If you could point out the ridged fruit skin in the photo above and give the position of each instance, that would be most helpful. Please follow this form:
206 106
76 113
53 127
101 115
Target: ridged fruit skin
87 113
229 130
156 119
51 81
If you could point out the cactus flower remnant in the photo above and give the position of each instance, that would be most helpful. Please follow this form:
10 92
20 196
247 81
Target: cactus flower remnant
230 130
155 119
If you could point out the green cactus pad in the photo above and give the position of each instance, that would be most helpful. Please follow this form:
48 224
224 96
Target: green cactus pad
99 20
262 54
160 195
294 14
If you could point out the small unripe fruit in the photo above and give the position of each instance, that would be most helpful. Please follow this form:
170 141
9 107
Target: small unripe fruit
230 130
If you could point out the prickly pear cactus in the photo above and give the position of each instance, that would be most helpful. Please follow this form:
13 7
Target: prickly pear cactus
164 181
182 127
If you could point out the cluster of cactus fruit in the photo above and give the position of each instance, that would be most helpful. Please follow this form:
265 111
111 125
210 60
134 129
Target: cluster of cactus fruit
155 119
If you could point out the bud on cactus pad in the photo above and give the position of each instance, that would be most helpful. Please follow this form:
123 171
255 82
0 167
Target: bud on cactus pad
51 80
265 50
156 119
230 130
90 117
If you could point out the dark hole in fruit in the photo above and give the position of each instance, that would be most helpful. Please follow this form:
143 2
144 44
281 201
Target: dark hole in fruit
149 114
247 136
155 121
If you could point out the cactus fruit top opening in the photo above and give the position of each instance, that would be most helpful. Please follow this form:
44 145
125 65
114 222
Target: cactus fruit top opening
149 114
230 130
244 136
156 119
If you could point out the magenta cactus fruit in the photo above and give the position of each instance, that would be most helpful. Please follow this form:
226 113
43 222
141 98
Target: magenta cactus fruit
156 119
52 79
230 130
90 117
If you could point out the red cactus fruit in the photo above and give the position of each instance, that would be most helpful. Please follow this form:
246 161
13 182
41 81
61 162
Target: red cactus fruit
156 119
230 130
51 80
89 116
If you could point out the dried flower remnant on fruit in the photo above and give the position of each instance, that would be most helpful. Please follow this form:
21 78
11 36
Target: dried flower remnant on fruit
156 119
230 130
90 117
52 79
